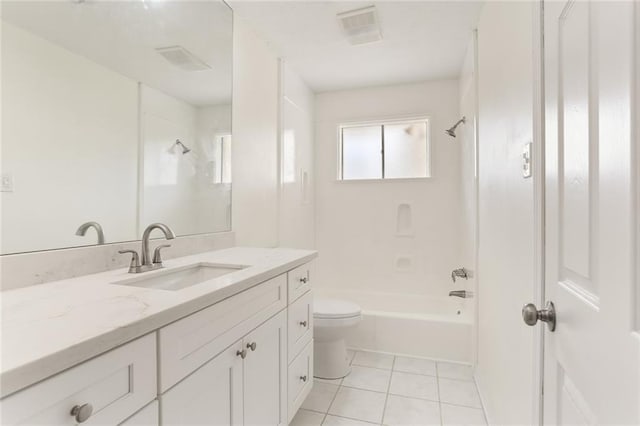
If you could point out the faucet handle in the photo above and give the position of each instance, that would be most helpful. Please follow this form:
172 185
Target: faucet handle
460 273
135 260
157 257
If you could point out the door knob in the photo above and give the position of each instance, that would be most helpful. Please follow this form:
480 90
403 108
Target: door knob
531 315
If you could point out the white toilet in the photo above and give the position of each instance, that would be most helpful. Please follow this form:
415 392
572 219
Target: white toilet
332 319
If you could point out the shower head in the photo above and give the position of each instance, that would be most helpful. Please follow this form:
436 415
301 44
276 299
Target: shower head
185 149
452 131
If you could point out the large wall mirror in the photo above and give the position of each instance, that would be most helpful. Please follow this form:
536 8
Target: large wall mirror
117 113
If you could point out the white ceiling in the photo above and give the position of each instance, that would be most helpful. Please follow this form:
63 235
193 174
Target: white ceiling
123 36
422 40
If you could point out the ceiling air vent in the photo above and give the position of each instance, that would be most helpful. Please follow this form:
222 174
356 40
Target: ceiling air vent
361 25
182 58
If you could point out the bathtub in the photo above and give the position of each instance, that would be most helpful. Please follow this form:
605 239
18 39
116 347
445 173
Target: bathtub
413 325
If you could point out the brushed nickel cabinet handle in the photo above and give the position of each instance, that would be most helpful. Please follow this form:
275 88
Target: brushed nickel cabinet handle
304 280
242 353
82 412
303 378
252 346
303 323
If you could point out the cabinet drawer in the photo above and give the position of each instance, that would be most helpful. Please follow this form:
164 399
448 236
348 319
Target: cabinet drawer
116 384
189 343
299 280
300 379
300 324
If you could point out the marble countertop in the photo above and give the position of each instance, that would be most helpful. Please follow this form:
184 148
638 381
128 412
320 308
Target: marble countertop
50 327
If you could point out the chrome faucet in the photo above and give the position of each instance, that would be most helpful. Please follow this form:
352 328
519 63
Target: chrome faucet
82 230
460 273
147 263
461 293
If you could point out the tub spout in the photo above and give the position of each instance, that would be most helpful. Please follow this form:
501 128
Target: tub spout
461 293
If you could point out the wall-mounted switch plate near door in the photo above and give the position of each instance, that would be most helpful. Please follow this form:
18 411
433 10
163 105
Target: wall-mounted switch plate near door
6 182
526 160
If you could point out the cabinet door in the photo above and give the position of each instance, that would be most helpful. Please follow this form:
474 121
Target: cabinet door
265 373
148 416
212 395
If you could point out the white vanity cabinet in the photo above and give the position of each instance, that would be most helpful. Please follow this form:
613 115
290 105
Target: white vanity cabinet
245 360
105 390
212 395
265 373
300 336
243 385
148 416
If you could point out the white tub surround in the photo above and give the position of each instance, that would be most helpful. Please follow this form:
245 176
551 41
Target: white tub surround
54 326
410 324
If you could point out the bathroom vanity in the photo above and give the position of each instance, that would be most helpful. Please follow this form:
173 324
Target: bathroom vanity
117 348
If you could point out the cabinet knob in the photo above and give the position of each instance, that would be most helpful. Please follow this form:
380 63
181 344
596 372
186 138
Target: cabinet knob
82 412
304 280
242 353
303 378
252 346
303 323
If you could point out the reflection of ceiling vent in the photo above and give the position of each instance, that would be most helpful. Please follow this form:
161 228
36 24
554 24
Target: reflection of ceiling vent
182 58
361 25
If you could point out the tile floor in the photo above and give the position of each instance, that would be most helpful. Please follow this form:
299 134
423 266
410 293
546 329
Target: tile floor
392 390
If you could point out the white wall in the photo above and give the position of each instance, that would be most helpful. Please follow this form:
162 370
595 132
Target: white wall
55 142
356 221
255 145
505 208
297 207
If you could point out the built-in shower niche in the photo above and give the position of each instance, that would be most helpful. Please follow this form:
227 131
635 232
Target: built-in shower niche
404 221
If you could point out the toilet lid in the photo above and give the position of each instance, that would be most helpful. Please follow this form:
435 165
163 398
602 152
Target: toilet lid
334 308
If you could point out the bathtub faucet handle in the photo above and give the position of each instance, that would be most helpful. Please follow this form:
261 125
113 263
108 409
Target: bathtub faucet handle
460 273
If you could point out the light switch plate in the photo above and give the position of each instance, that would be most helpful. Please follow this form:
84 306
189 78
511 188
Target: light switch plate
6 182
526 160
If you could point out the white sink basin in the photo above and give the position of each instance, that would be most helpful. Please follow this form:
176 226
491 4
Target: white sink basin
179 278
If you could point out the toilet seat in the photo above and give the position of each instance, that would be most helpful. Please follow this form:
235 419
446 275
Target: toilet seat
335 313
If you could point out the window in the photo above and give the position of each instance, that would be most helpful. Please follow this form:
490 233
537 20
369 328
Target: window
384 150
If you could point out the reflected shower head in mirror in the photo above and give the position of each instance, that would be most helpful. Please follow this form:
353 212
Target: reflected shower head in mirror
452 131
185 149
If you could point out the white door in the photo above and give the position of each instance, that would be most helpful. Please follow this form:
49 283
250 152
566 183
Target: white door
592 360
212 395
265 372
